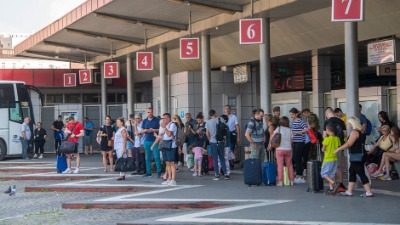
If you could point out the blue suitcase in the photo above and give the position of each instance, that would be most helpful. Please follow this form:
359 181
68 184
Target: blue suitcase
269 171
252 172
61 163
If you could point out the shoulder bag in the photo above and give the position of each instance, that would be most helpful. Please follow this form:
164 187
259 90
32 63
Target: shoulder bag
276 139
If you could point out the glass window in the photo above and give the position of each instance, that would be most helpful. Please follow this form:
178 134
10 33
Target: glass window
111 98
6 95
15 112
90 98
121 98
72 98
52 99
139 97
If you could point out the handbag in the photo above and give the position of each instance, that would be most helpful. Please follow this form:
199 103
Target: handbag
125 164
166 144
68 147
357 157
276 139
110 143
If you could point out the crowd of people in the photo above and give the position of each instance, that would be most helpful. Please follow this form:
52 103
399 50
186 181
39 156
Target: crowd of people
160 141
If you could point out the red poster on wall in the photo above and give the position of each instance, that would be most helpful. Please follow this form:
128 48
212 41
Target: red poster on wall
111 70
69 79
347 10
85 77
250 31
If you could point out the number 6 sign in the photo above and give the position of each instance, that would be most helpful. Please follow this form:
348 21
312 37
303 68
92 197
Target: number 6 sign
144 60
189 48
347 10
85 76
251 31
69 79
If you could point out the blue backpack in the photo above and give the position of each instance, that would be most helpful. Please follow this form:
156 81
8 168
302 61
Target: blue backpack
59 135
369 127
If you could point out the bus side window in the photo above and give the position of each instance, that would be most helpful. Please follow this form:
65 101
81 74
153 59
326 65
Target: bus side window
6 95
15 112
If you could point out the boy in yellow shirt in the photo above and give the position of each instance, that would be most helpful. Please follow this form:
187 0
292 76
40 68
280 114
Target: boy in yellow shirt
330 164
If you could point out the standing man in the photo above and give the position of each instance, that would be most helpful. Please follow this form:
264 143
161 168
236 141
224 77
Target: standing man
88 135
276 111
58 126
74 130
339 113
217 146
190 128
150 126
138 146
256 136
234 129
25 137
340 132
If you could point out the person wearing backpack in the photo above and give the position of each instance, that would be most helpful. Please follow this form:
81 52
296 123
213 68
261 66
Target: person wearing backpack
256 136
216 132
340 132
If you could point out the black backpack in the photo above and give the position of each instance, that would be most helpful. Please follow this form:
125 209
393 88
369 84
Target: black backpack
221 131
339 132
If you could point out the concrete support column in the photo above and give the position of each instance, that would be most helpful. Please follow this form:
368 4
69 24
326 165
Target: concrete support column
103 92
130 85
265 69
321 83
398 91
206 72
351 68
163 80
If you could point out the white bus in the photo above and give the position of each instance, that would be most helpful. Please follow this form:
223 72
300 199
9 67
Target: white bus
15 105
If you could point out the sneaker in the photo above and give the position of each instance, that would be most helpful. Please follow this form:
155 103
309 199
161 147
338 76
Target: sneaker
377 174
134 173
199 175
192 170
76 170
166 182
216 178
195 174
227 177
172 183
68 170
41 156
346 194
335 188
35 156
291 183
299 181
279 184
385 178
179 164
146 175
367 195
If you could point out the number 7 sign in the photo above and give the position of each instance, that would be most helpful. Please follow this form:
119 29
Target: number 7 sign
251 31
189 48
144 60
347 10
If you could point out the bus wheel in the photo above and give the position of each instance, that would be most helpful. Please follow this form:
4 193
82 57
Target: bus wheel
3 150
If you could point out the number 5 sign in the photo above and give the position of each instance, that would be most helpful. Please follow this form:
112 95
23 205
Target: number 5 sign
85 76
251 31
347 10
111 70
144 60
69 79
189 48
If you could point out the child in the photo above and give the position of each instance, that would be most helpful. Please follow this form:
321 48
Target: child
328 170
198 158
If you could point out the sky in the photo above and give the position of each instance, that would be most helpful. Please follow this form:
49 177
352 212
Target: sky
30 16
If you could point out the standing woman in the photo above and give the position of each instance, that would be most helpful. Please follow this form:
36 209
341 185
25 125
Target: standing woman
120 140
106 133
40 139
169 148
355 144
200 132
299 128
269 132
179 155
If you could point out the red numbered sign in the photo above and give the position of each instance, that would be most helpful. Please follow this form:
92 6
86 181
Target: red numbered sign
85 76
144 60
347 10
69 79
111 70
189 48
251 31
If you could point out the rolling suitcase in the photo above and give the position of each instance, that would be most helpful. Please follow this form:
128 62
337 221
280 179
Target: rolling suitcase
252 172
314 178
210 163
204 165
269 171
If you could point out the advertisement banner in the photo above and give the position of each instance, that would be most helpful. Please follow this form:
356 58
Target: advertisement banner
381 52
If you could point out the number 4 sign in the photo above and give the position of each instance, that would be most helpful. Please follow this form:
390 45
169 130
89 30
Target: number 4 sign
144 60
69 79
189 48
251 31
85 76
347 10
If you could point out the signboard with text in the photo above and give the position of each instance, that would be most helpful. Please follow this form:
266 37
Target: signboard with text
189 48
381 52
69 79
111 70
250 31
85 77
347 10
144 60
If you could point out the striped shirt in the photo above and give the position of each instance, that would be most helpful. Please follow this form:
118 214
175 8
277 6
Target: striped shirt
298 125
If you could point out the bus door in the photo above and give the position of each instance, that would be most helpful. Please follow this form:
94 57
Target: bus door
14 123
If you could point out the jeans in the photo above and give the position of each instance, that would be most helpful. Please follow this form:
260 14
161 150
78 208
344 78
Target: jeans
147 145
226 155
218 152
24 147
298 151
284 157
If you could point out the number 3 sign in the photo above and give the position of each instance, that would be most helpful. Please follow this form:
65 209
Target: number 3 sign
251 31
189 48
347 10
111 70
144 60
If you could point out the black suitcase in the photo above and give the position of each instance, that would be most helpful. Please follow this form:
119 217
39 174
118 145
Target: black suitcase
252 172
204 165
314 178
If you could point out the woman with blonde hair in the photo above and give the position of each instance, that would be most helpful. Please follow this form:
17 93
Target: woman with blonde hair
355 144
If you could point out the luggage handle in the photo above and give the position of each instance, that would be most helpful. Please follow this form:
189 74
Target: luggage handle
319 151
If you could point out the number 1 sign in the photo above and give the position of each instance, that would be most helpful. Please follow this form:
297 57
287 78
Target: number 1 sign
347 10
189 48
85 76
251 31
144 60
69 79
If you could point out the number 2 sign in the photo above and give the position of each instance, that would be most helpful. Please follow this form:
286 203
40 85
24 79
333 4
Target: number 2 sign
347 10
189 48
111 70
69 79
144 60
85 76
251 31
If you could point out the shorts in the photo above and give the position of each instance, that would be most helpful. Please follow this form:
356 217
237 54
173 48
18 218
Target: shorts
197 162
170 155
329 169
88 141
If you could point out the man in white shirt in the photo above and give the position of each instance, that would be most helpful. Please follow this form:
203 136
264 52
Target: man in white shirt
234 129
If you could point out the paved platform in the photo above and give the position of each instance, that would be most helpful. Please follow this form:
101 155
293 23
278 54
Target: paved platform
195 200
